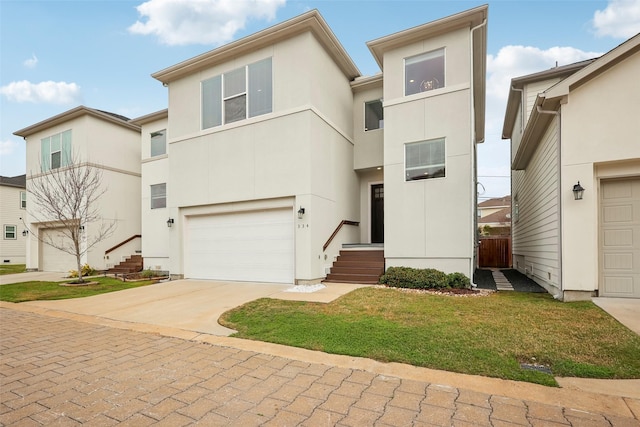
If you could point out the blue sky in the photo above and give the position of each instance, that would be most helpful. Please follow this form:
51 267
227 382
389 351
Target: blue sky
56 55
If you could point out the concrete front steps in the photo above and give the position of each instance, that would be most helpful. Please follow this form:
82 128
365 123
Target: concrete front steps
361 266
133 264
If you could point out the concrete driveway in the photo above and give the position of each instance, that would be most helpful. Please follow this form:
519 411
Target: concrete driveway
33 276
193 305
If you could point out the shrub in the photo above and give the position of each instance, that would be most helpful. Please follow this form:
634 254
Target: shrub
149 273
413 278
459 281
87 270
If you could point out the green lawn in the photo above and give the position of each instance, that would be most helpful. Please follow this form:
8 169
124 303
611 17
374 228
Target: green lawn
37 291
11 268
487 336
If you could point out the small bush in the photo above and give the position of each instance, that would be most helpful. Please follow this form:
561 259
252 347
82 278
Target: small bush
149 273
427 278
459 281
87 270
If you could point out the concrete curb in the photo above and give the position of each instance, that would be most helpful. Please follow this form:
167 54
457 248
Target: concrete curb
582 394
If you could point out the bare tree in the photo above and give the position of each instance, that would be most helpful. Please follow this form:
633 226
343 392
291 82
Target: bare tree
65 198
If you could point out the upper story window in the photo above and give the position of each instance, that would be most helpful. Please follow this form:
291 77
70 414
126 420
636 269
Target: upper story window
373 115
55 151
159 143
424 72
159 196
237 95
425 159
23 200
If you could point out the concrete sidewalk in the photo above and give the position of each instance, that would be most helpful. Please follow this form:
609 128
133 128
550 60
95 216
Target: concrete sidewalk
70 369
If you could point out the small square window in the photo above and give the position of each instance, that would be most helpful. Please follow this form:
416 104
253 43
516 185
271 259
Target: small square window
158 196
424 72
373 115
159 143
425 160
23 200
10 232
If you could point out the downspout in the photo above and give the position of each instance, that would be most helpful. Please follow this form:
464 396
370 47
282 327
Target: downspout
559 166
474 160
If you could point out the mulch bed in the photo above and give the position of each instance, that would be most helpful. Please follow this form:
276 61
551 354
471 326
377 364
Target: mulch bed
521 283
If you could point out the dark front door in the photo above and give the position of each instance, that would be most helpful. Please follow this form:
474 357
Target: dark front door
377 213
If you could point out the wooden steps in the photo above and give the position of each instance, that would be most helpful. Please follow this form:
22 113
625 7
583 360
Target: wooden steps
357 266
133 264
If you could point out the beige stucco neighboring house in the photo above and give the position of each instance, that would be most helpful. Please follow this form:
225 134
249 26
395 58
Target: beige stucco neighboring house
570 125
279 153
102 140
13 204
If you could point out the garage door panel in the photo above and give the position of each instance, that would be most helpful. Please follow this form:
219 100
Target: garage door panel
53 259
620 238
242 246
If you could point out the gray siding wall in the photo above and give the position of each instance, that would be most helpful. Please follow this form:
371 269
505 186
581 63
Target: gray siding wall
536 233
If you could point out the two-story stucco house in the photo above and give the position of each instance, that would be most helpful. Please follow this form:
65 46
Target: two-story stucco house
576 127
97 139
13 204
275 152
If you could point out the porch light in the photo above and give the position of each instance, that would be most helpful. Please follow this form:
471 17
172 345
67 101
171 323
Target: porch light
81 228
300 212
578 191
169 222
25 233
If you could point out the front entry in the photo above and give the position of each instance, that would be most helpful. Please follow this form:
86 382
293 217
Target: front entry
377 213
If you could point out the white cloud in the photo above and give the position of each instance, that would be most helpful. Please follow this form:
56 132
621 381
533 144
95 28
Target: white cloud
620 19
42 93
8 147
31 62
181 22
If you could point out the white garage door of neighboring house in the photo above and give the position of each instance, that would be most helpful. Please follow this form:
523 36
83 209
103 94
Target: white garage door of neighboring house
256 246
54 259
620 238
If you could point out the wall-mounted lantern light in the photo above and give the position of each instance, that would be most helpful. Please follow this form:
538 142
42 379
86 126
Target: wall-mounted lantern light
300 212
169 222
81 228
578 191
25 233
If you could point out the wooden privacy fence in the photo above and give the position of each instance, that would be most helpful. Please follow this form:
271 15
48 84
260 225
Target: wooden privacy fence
494 252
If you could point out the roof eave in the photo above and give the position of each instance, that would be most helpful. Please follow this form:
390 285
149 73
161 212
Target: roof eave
152 117
311 21
536 126
70 115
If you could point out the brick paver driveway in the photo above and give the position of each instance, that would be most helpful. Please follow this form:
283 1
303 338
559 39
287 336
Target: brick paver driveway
58 371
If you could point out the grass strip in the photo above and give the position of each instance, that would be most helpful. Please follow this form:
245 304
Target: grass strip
488 336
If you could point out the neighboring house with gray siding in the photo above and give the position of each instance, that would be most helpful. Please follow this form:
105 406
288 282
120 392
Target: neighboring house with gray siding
578 124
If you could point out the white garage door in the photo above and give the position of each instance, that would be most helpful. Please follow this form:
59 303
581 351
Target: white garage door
254 246
54 259
620 238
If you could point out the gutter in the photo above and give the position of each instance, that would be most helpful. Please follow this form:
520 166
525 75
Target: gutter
474 159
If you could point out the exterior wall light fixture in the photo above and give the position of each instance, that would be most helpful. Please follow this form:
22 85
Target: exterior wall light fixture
25 233
578 191
300 212
169 222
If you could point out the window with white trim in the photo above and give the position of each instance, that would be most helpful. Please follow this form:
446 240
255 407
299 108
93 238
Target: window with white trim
373 115
424 72
159 143
159 196
237 95
23 200
425 159
10 232
55 151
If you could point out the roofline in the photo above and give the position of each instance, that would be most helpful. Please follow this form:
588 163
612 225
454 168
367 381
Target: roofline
10 181
517 83
152 117
369 82
469 18
596 67
310 21
72 114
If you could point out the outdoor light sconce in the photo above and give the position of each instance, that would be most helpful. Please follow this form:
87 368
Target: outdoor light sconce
578 191
300 212
81 228
25 233
169 222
